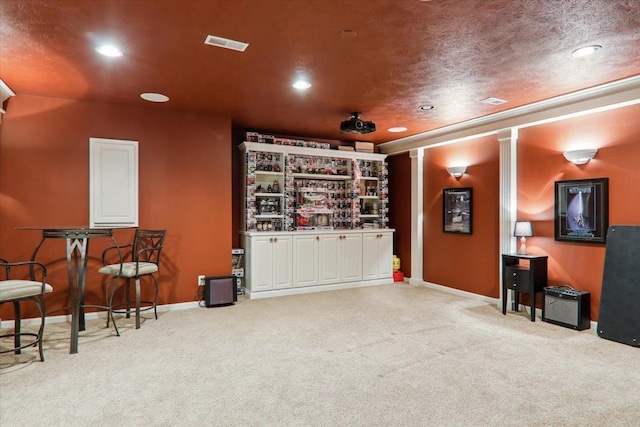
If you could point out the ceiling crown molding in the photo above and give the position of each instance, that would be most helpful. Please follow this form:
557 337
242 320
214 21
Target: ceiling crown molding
612 95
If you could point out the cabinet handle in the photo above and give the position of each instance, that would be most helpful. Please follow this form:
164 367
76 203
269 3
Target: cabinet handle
514 274
275 239
317 237
270 239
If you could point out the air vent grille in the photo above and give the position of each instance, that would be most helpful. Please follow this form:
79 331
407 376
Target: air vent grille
226 43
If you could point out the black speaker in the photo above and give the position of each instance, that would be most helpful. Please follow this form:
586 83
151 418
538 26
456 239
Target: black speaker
619 315
221 290
567 307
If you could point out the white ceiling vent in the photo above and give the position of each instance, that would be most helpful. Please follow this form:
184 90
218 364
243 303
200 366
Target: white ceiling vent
226 43
493 101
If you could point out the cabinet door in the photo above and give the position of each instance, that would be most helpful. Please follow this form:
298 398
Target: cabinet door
330 259
352 258
370 255
305 260
260 277
385 255
281 262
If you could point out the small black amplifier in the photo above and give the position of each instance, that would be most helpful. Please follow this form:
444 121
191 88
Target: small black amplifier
567 307
221 290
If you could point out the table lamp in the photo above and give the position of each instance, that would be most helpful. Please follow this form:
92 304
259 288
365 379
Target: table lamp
523 230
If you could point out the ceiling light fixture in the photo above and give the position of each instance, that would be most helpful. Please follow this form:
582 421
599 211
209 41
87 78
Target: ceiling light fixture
493 101
109 50
348 34
397 129
426 107
586 51
301 85
580 157
154 97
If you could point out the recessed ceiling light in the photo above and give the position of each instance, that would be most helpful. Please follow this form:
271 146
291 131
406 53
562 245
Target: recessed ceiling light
586 51
493 101
109 50
154 97
301 85
397 129
426 107
348 34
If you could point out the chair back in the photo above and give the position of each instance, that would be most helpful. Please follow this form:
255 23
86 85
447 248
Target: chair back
147 245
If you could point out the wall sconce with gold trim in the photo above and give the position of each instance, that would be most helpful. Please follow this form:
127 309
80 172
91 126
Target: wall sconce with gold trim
456 171
580 157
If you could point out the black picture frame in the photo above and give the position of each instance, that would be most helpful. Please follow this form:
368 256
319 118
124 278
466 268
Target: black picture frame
582 210
457 210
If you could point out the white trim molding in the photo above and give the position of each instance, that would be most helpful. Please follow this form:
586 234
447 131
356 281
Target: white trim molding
417 215
608 96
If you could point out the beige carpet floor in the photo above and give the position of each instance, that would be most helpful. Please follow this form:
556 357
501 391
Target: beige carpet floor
391 355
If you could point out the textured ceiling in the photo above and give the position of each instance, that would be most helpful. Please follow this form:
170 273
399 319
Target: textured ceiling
405 53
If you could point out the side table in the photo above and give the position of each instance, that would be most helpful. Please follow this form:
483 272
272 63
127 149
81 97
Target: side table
520 278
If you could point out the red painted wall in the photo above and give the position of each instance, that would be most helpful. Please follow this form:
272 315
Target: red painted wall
465 262
616 134
400 208
184 186
471 263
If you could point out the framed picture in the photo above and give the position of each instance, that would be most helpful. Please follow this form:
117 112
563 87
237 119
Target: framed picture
457 210
582 210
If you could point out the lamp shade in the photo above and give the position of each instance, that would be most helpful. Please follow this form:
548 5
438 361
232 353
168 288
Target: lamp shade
523 229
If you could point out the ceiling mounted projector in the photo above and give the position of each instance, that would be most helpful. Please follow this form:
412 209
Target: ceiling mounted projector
355 125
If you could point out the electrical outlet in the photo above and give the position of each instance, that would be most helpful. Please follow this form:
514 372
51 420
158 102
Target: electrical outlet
201 280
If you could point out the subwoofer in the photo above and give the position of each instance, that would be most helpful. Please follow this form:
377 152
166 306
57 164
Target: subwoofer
567 307
221 290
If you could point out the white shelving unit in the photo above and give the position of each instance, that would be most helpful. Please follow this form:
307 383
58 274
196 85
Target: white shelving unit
314 219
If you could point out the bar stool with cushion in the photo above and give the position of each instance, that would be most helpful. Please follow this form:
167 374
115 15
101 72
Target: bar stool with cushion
145 255
18 290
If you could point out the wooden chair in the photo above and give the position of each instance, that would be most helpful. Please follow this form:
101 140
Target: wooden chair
145 256
18 290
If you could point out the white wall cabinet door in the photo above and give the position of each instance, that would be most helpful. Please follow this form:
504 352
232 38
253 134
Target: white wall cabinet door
377 249
385 255
305 260
113 183
281 253
259 263
330 259
352 258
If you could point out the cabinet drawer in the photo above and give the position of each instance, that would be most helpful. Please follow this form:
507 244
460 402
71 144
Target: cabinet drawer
517 279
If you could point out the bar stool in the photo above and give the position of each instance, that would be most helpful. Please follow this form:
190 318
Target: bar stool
18 290
145 255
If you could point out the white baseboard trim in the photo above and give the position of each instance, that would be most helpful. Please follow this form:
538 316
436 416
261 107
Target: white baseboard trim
458 292
95 315
318 288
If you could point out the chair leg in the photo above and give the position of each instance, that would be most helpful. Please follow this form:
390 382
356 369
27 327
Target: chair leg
137 303
43 311
113 285
127 287
16 326
155 298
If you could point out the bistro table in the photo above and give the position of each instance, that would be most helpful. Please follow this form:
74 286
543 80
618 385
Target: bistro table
77 243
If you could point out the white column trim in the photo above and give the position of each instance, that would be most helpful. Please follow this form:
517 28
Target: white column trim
417 215
508 139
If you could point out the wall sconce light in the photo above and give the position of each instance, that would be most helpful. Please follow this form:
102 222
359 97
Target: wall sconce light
457 171
580 157
523 230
